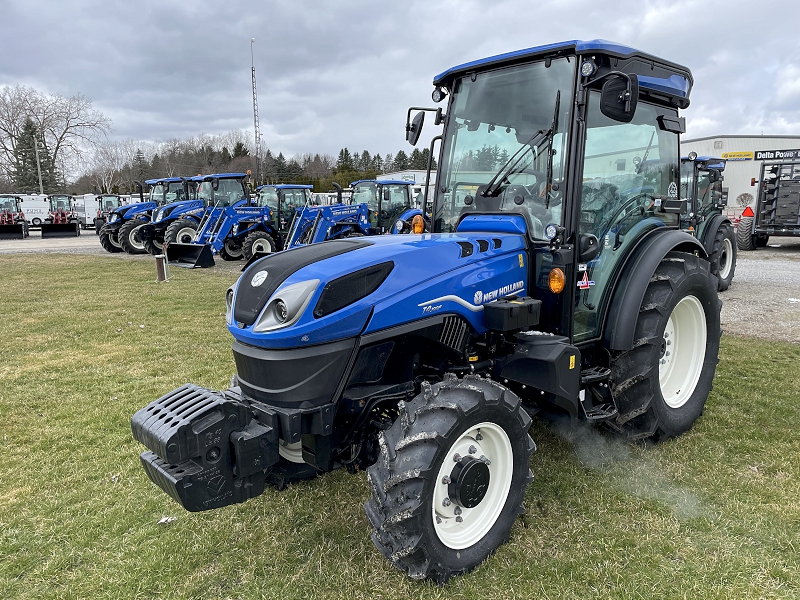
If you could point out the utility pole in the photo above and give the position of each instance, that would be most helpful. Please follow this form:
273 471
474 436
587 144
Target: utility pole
255 116
38 164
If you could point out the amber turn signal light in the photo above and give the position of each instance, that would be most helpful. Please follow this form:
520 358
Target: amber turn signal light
556 280
418 224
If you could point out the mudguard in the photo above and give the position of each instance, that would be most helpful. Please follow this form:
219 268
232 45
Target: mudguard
630 288
711 231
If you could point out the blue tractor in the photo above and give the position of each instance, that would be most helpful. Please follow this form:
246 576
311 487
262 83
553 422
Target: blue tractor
228 218
121 232
177 197
701 185
282 200
377 207
420 358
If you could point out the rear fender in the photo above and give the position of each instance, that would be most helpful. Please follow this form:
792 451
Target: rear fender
631 286
711 231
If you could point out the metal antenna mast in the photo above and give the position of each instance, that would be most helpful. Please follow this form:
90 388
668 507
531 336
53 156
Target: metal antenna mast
255 116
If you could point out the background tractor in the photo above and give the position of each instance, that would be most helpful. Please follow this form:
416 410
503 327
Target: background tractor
777 206
555 279
177 198
62 218
122 231
107 204
701 185
12 220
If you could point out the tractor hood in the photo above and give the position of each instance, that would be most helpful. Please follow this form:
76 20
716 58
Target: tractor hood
175 209
129 211
339 289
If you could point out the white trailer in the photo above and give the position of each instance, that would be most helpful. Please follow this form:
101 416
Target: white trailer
35 207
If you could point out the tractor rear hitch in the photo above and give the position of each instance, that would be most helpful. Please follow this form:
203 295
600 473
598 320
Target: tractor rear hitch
207 450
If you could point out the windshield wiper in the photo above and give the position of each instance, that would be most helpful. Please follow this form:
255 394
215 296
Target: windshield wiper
640 166
549 172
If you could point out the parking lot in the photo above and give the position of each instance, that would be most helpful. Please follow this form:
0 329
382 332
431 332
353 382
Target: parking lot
763 300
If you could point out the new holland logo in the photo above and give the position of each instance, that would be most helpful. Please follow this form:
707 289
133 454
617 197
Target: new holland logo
478 298
259 278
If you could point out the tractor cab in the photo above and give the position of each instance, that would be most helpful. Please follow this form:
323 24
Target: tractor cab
221 190
61 207
12 220
283 199
171 189
11 207
386 200
701 185
61 220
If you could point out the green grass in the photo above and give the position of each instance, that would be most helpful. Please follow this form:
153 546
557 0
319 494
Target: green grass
713 514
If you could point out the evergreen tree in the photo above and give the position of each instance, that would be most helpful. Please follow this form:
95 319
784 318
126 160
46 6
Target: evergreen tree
225 156
280 167
401 161
26 172
388 163
140 166
345 161
239 150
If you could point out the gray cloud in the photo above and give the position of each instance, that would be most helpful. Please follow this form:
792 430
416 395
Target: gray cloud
335 74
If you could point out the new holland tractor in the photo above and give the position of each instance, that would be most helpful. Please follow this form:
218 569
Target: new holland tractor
121 232
376 207
177 197
229 218
284 201
13 225
420 358
62 218
701 185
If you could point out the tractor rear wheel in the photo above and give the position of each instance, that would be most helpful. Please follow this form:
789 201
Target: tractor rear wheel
744 237
258 241
129 238
107 241
181 231
723 256
661 385
450 478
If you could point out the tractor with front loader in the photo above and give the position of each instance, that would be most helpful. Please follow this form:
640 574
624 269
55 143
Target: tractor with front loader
177 199
701 185
13 225
62 218
544 286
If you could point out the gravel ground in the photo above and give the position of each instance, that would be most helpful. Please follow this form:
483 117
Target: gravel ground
763 300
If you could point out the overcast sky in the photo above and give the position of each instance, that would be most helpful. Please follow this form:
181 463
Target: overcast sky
343 73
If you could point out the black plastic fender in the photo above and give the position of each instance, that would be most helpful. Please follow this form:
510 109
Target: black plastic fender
630 287
711 231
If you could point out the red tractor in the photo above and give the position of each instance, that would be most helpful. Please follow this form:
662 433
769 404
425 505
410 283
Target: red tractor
12 219
62 220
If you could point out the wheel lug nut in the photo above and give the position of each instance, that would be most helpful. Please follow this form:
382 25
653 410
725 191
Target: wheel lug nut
667 354
456 457
663 361
666 335
472 449
669 342
459 519
457 510
446 480
438 519
446 502
485 460
478 436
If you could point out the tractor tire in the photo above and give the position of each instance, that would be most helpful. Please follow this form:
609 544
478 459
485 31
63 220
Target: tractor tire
660 386
231 250
153 246
129 238
98 225
723 256
258 241
181 231
745 240
762 241
450 478
36 222
106 241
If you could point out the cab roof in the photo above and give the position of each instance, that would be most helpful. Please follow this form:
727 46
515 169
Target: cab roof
678 84
287 186
711 162
163 180
382 182
218 176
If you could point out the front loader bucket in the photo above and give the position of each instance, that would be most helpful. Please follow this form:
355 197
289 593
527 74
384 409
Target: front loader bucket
59 230
12 232
191 256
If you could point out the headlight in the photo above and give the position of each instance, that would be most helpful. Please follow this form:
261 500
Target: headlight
285 306
113 218
229 306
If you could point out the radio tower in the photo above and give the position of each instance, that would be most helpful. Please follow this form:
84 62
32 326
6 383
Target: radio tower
255 116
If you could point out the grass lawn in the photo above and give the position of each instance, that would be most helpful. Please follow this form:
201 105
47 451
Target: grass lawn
86 341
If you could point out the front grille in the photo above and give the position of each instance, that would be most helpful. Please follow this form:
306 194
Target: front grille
454 333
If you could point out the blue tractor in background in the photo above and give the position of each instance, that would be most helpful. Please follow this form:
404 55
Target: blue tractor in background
121 232
179 203
376 207
282 201
542 287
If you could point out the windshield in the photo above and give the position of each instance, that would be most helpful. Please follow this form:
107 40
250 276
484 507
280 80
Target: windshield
502 122
108 202
268 197
229 192
7 203
59 202
366 193
165 193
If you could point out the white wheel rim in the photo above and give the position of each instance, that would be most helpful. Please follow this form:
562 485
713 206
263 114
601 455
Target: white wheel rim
262 245
185 235
135 240
490 441
37 221
725 259
114 240
233 250
683 352
291 452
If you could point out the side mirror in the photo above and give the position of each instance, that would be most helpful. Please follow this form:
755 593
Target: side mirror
588 247
387 195
215 184
414 129
713 176
619 97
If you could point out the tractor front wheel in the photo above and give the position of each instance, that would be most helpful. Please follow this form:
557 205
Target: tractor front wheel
661 385
258 241
450 478
723 256
129 238
107 240
154 246
231 250
181 231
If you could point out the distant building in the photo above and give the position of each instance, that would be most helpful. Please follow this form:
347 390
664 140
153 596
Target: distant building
744 155
417 177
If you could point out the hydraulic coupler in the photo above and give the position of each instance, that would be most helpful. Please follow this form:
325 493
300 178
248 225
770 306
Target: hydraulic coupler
207 449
